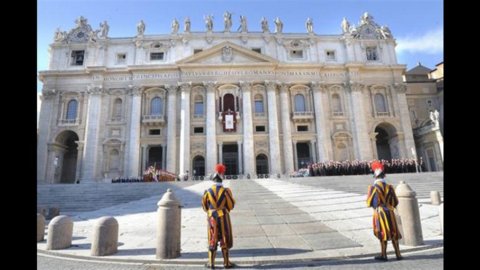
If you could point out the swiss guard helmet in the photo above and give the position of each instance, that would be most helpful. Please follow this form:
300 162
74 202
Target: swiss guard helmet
219 171
377 168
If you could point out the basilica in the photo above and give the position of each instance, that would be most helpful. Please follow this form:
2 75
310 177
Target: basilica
261 102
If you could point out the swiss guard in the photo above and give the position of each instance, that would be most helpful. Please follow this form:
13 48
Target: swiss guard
218 201
382 198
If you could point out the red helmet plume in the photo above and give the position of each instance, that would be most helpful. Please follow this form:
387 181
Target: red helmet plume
220 168
377 168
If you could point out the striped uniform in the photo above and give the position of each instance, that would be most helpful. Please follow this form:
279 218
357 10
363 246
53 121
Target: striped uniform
382 197
218 201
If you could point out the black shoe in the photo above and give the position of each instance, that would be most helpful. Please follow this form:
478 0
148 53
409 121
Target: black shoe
399 258
231 265
381 258
208 266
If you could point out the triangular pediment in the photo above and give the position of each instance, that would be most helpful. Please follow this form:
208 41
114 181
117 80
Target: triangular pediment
227 53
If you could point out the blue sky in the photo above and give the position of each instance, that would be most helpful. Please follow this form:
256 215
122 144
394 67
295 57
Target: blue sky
417 25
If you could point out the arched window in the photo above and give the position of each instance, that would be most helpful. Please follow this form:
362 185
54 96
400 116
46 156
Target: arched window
259 103
299 103
336 105
156 106
380 103
117 108
198 109
72 110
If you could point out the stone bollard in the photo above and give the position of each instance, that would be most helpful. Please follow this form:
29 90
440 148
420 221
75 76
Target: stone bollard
169 224
435 197
410 215
60 232
440 213
105 237
40 227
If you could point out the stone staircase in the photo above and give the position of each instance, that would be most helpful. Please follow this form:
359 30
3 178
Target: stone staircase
74 198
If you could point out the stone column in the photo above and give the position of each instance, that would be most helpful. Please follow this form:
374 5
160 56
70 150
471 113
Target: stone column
274 141
78 173
132 157
295 156
220 152
144 157
172 129
44 124
361 138
92 129
185 130
210 126
286 130
312 151
164 157
240 161
405 119
248 150
324 142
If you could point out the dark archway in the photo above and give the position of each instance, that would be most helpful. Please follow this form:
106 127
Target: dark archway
228 102
68 163
230 158
262 164
198 166
155 157
383 147
303 155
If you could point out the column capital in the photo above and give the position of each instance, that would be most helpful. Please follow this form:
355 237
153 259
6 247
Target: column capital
48 92
135 90
355 86
210 85
245 85
95 90
284 86
318 86
271 85
185 86
171 89
400 87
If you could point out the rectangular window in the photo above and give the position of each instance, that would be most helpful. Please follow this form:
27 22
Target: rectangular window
195 51
259 106
198 130
156 56
330 55
198 110
77 58
154 132
259 128
258 50
121 58
298 54
302 128
372 54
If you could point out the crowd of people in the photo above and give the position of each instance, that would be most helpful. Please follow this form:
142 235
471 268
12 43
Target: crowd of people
357 167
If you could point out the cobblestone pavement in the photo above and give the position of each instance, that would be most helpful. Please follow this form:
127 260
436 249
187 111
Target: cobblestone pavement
428 260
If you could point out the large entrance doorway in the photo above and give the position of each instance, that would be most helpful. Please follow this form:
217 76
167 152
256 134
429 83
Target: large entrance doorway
155 157
198 166
230 158
383 147
303 155
68 164
262 164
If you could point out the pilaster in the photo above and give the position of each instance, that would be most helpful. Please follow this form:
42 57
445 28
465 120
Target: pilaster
274 141
185 89
211 132
172 129
249 148
286 130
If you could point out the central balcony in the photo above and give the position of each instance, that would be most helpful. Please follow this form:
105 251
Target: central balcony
153 120
302 116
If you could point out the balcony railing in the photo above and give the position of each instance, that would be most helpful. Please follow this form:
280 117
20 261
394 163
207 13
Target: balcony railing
151 119
198 116
337 113
383 114
69 122
302 116
259 115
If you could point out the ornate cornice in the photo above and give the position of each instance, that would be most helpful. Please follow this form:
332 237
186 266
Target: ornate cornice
171 89
95 90
318 86
245 86
46 92
135 90
271 85
185 86
210 85
400 87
